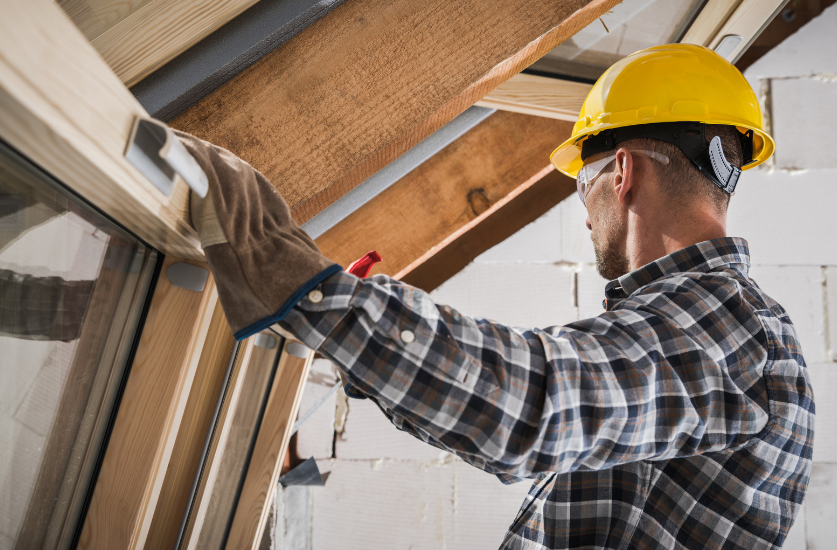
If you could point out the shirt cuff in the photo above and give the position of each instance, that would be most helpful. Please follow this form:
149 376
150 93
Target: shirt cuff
319 311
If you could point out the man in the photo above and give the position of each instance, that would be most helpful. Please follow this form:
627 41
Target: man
681 417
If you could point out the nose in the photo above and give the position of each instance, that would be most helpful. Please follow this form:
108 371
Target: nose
588 224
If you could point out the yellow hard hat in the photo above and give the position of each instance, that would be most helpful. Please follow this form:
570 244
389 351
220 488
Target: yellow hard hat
666 84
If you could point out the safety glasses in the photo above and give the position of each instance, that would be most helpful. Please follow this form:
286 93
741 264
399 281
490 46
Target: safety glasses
589 172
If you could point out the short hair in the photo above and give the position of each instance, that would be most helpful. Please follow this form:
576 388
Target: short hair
681 180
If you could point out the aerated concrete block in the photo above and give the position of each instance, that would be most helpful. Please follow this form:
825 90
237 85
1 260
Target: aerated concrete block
577 247
810 50
821 508
316 436
484 508
788 218
523 295
382 505
831 302
804 114
796 537
800 291
368 434
590 291
538 242
824 382
292 515
456 291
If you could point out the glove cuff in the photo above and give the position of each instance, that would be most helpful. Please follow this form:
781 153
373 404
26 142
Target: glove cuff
312 283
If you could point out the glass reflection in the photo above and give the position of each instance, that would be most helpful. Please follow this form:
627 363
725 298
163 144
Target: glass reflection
72 289
630 26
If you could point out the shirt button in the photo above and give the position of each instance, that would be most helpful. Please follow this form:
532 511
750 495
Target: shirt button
315 296
408 336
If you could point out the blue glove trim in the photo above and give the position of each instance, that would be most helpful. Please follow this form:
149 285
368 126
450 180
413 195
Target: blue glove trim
262 324
352 392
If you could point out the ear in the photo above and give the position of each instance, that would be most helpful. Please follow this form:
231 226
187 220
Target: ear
623 180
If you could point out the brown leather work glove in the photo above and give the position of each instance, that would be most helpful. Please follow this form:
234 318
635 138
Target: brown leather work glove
262 261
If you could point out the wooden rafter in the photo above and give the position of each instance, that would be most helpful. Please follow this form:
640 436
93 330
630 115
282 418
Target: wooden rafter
368 81
539 96
466 184
135 42
449 259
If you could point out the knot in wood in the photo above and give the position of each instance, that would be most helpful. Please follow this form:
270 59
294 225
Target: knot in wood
478 201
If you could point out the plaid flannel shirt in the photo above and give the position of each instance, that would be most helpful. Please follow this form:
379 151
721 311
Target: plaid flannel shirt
681 417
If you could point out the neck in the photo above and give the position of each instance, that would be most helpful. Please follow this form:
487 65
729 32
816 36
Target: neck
655 236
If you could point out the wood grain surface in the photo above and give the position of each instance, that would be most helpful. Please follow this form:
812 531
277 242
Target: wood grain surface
93 17
192 433
362 85
709 21
221 436
148 38
528 206
747 21
146 425
255 501
62 106
538 96
449 194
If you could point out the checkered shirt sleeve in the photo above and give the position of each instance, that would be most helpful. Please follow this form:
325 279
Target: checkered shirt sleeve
628 385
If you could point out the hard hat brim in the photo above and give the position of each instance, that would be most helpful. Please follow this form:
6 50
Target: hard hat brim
567 157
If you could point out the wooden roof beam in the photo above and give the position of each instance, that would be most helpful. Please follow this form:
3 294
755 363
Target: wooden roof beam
473 194
368 81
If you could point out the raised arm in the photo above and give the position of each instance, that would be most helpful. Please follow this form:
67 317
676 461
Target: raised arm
627 385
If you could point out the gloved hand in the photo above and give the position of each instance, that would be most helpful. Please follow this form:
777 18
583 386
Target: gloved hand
262 261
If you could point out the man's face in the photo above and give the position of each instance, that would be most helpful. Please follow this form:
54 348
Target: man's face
607 219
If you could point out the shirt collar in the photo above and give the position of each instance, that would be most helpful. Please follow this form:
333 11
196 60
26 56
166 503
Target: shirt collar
702 257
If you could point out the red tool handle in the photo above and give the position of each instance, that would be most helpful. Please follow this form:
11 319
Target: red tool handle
362 267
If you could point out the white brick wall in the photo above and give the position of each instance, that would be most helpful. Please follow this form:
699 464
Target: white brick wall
388 490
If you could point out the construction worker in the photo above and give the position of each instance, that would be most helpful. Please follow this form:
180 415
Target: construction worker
680 417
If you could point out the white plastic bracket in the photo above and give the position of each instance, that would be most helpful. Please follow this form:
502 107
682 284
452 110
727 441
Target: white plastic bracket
155 151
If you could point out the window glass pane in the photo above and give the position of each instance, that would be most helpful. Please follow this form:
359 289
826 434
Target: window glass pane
629 26
72 290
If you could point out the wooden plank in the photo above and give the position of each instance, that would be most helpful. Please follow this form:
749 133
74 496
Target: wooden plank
745 18
528 206
709 21
93 17
228 51
215 458
149 38
450 194
365 83
192 433
538 96
150 412
397 169
62 106
254 504
232 456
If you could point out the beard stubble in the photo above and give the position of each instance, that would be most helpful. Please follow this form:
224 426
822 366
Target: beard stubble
609 241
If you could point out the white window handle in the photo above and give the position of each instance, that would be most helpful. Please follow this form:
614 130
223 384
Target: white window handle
155 151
